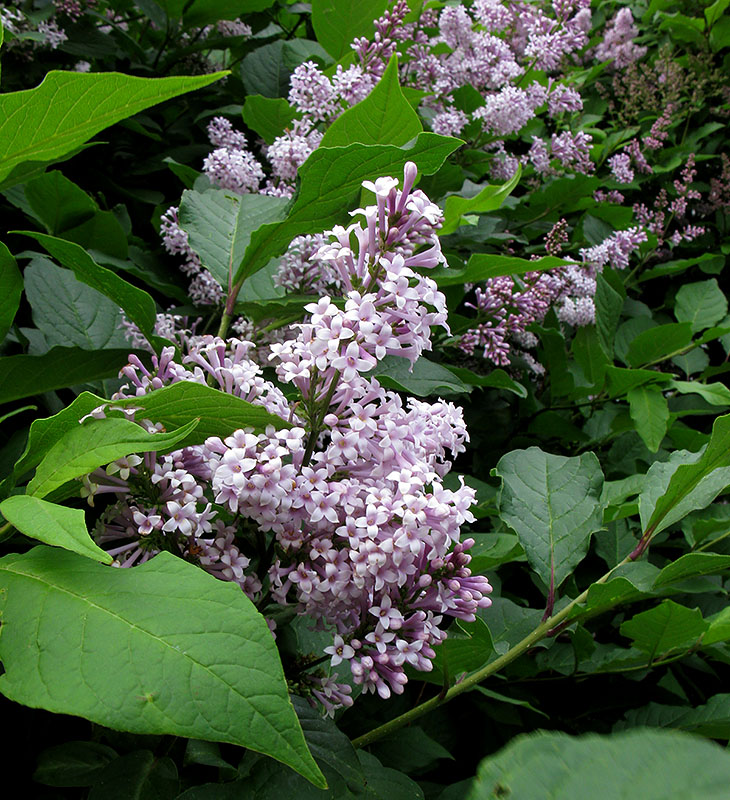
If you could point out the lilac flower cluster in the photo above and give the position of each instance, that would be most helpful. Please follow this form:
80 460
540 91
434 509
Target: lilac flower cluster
665 211
618 45
506 307
343 515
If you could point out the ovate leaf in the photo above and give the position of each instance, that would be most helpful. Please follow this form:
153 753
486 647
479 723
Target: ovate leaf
665 627
383 117
691 565
650 413
95 443
651 764
674 489
337 22
137 304
219 225
426 378
490 198
268 116
702 304
11 286
658 343
52 524
553 504
162 648
330 184
25 376
68 108
482 266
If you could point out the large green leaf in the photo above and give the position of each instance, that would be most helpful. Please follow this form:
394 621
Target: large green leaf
424 379
691 565
490 198
650 413
268 116
11 286
330 184
219 225
337 22
641 763
665 627
688 482
658 343
219 414
161 648
701 304
52 524
68 108
68 312
383 117
716 394
98 442
553 504
137 304
26 376
482 266
67 211
609 300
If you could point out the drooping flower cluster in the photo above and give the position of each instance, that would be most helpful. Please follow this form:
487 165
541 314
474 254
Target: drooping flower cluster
342 515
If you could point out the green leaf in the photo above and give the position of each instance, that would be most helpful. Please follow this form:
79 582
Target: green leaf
137 774
337 22
47 122
330 183
651 764
482 266
133 649
665 627
711 719
467 647
426 378
268 116
691 565
702 304
658 343
137 304
621 381
490 198
383 117
218 413
386 784
52 524
58 202
68 212
98 442
609 301
73 763
219 225
26 376
11 286
496 379
68 312
553 504
267 70
719 629
717 394
650 413
410 750
673 490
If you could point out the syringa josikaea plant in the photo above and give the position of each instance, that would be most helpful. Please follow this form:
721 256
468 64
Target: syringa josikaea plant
343 515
